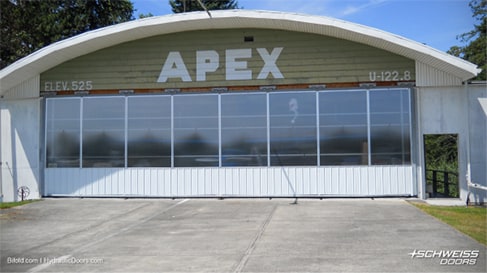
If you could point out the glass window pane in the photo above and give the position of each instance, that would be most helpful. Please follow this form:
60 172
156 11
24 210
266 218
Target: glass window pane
343 128
63 132
244 130
389 127
104 132
293 129
196 130
149 131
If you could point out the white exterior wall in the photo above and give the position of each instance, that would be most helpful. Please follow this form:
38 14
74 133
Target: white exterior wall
427 75
231 182
454 110
478 141
19 147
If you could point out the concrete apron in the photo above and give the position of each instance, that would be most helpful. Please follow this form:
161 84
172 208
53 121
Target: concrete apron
232 235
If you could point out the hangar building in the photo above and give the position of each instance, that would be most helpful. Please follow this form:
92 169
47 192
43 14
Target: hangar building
240 104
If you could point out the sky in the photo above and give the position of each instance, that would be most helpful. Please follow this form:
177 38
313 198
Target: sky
436 23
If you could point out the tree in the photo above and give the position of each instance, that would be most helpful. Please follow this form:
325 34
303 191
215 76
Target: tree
26 26
441 154
476 50
145 15
179 6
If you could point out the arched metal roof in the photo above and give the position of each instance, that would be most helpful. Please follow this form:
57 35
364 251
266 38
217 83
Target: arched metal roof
62 51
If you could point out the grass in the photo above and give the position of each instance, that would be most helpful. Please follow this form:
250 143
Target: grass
469 220
8 205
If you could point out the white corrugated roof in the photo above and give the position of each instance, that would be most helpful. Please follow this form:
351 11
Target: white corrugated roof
82 44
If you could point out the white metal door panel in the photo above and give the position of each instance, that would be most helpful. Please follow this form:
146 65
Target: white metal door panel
248 182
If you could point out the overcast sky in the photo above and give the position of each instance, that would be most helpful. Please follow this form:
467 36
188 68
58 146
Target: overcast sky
433 22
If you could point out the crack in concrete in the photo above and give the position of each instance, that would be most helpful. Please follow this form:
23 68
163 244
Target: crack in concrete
250 249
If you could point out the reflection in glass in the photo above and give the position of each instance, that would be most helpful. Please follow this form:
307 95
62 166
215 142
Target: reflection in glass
347 131
149 131
293 129
343 128
63 132
244 130
389 127
196 130
104 132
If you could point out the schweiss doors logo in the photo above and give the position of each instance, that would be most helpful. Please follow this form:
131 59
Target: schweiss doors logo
448 257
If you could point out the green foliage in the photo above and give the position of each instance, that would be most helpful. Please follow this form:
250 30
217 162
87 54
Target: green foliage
476 49
8 205
179 6
26 26
441 152
142 15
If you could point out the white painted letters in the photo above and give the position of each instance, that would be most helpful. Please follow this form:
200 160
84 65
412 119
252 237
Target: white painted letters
237 70
174 67
236 65
270 66
50 86
206 61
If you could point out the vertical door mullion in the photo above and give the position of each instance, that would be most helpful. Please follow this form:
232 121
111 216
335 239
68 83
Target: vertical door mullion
369 140
268 131
318 150
172 131
219 130
126 131
81 132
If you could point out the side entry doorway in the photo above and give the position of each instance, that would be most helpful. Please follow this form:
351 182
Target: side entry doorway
441 160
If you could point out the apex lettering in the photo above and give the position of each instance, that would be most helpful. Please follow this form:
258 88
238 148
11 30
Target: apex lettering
208 61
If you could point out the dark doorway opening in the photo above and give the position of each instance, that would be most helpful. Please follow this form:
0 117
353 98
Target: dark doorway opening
441 160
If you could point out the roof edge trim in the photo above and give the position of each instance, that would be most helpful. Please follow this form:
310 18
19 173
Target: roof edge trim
85 43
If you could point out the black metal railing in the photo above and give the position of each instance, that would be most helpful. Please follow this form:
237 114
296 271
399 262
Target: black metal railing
443 183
